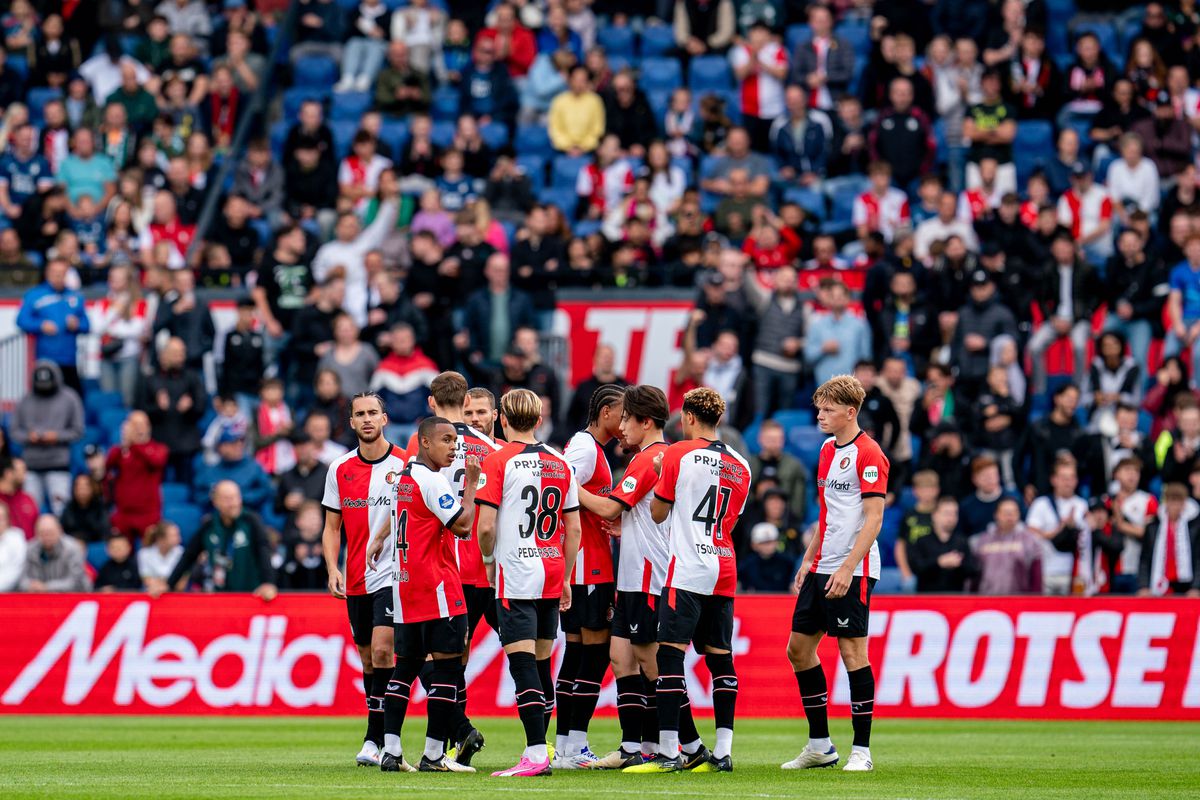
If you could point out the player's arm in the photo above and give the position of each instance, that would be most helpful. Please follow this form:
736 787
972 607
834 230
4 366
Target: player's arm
331 545
570 551
810 553
464 522
485 530
603 507
839 582
659 509
375 548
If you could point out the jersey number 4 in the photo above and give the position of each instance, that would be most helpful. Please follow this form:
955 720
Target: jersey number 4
402 534
541 512
712 508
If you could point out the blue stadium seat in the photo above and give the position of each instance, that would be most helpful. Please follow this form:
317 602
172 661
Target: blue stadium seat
394 133
710 72
564 199
617 40
350 105
585 228
794 35
95 402
278 134
186 516
111 420
657 40
689 169
1033 145
343 135
296 96
889 578
315 71
841 203
445 103
810 200
795 418
495 134
804 443
859 37
660 101
534 167
97 556
442 134
19 65
532 139
176 493
566 170
619 63
660 73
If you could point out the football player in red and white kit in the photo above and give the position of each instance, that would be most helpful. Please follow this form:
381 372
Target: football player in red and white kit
641 571
428 604
701 492
587 622
838 572
479 410
358 490
529 534
447 393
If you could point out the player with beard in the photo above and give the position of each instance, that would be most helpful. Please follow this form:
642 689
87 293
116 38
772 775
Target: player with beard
357 501
588 621
480 413
429 608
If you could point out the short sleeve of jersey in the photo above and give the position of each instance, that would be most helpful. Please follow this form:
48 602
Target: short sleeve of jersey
639 479
665 489
572 501
873 471
440 497
332 499
491 480
581 455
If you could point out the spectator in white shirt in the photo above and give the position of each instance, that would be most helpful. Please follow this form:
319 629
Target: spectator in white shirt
1055 517
947 223
161 549
1132 180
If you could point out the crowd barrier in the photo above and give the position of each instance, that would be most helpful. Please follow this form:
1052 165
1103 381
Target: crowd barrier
968 657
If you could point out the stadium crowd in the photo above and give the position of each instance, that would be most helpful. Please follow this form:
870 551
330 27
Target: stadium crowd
988 212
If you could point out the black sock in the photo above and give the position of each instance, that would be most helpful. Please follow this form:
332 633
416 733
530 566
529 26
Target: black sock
442 708
463 725
395 700
650 716
368 688
631 707
568 672
671 688
586 691
862 704
379 682
547 681
814 695
425 673
531 701
725 687
687 725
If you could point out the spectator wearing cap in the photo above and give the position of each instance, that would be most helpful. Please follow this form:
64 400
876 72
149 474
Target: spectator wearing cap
773 463
1008 554
1067 296
54 562
85 516
235 545
577 115
903 135
46 423
302 483
765 569
134 471
990 126
778 348
237 466
980 321
1059 518
1166 137
54 316
942 561
1170 557
120 572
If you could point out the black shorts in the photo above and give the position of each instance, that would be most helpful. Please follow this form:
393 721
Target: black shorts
526 620
636 617
481 604
415 640
591 608
367 612
845 617
705 620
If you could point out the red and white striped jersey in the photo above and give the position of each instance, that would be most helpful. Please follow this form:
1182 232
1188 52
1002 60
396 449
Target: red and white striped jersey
426 584
1139 508
1083 215
845 475
531 487
594 562
604 188
470 443
762 92
885 214
974 204
362 492
707 484
643 563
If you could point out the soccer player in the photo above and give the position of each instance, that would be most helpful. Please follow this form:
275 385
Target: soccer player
586 623
480 412
641 571
529 535
701 492
428 604
357 490
838 572
447 395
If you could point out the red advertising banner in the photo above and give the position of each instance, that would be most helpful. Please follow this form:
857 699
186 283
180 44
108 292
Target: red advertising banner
645 336
933 657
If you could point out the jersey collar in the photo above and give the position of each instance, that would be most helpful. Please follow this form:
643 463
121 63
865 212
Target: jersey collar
380 460
847 444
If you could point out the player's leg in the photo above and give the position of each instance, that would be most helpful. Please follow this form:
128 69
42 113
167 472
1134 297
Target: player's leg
409 658
631 700
547 634
809 623
568 670
679 614
518 635
360 617
595 632
383 652
443 638
715 639
852 643
467 740
647 656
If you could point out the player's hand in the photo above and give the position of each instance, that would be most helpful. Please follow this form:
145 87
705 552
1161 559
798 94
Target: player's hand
267 592
612 527
798 581
838 584
337 584
658 464
374 550
490 571
473 468
564 604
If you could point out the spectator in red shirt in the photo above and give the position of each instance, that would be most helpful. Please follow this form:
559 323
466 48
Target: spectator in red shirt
22 510
515 45
135 476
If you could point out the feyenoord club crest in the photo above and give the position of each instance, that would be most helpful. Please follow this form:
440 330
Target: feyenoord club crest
391 477
844 463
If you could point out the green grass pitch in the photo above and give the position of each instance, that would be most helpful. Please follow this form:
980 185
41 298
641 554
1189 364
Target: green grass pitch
95 758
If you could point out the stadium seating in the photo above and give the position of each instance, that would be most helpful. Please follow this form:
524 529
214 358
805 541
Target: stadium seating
795 35
186 516
444 103
534 167
804 442
350 105
657 40
660 73
343 135
176 493
532 139
315 71
566 171
709 72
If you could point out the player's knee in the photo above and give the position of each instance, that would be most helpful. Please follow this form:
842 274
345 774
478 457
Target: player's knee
382 657
801 655
854 653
